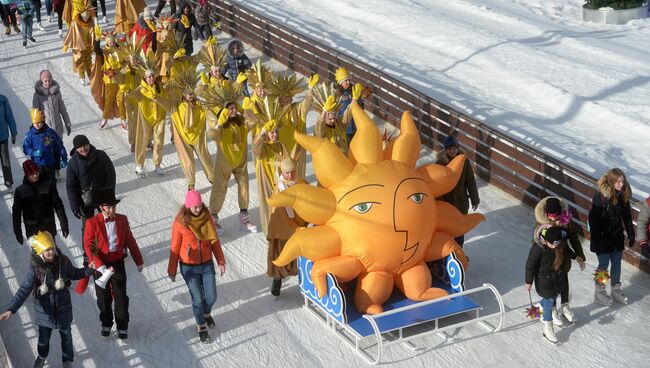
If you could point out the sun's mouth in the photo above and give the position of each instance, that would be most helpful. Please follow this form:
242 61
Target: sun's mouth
414 249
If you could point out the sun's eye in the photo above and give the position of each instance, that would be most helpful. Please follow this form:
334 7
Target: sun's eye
417 197
362 207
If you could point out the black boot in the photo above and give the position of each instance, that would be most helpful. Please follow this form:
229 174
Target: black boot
209 321
203 334
39 363
276 286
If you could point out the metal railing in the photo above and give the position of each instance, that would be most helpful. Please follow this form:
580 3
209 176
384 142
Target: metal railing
522 171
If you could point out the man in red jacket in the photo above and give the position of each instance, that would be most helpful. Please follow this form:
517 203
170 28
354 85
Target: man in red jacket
106 239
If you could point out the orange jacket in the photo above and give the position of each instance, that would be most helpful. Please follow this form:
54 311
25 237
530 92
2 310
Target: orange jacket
187 249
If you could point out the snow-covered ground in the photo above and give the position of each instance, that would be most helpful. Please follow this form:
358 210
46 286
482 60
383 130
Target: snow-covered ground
253 330
530 68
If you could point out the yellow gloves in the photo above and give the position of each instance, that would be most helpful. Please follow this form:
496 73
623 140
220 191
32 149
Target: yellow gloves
98 32
204 78
179 53
211 41
241 78
313 80
357 89
330 103
247 104
223 117
65 48
270 126
218 25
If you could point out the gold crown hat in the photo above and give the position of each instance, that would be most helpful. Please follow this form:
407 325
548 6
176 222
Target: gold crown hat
36 115
286 85
268 113
259 75
341 75
324 97
223 93
40 242
211 55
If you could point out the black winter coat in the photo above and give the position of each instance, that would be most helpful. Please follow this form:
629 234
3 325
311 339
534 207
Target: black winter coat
186 32
36 204
465 189
53 309
607 222
539 268
94 171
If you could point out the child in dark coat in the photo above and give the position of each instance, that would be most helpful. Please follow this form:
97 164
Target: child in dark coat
237 62
48 280
544 267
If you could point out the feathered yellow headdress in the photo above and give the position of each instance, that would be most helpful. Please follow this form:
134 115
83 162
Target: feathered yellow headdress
165 22
184 81
341 75
268 111
130 47
286 85
211 55
259 75
324 98
222 94
148 63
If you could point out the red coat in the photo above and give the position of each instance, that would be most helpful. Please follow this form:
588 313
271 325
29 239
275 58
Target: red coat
187 249
142 32
96 229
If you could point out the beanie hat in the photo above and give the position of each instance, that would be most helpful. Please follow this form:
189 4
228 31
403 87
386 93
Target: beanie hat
80 141
192 199
30 168
553 206
553 235
41 242
341 75
450 141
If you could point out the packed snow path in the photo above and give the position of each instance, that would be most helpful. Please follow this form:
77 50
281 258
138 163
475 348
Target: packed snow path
253 330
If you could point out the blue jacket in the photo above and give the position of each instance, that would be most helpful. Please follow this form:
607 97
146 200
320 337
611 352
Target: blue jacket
7 122
26 8
346 100
48 142
53 309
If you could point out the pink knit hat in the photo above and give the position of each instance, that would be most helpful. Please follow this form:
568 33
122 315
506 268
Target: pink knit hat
192 199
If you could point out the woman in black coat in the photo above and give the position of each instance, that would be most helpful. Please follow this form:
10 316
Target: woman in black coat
35 201
610 216
186 21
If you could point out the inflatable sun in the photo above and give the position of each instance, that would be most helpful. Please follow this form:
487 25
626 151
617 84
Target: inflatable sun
377 216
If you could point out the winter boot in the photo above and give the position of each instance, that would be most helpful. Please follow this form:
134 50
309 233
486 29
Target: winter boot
67 365
60 33
557 318
600 295
39 363
617 294
209 321
276 286
102 123
549 333
567 313
7 30
203 333
106 331
123 334
245 223
40 26
139 171
49 18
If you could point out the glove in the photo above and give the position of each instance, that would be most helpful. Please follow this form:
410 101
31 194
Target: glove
19 238
475 206
98 32
330 103
64 162
204 78
241 78
65 49
65 231
37 153
179 53
631 242
247 104
313 80
13 139
77 213
140 268
223 117
68 129
211 41
172 278
356 91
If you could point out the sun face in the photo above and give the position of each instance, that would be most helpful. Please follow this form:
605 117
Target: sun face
377 214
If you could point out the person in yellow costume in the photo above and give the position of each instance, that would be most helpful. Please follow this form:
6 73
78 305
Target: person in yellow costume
230 133
283 223
80 38
259 78
72 8
150 117
167 45
329 125
285 87
130 49
188 125
108 74
211 56
126 14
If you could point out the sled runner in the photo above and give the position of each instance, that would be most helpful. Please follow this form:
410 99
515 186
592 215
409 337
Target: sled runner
402 320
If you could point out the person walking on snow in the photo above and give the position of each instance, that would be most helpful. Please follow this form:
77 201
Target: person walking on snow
7 127
194 242
27 9
48 98
610 216
106 239
48 279
554 211
643 227
44 146
544 267
36 201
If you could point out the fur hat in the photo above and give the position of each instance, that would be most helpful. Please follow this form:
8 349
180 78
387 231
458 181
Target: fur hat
193 199
30 168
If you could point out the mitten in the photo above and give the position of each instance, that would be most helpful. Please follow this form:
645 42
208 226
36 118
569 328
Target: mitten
37 153
68 129
98 32
64 162
356 91
13 139
204 78
330 103
247 104
211 41
77 213
179 53
241 78
65 231
223 117
313 80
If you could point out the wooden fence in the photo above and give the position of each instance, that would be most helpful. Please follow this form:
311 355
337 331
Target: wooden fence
522 171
